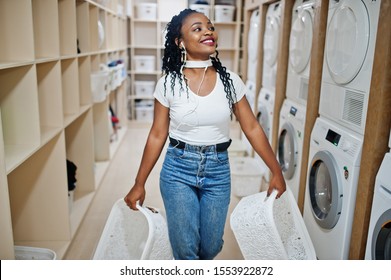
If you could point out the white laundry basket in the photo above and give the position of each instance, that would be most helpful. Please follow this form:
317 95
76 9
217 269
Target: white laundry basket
271 230
99 86
33 253
134 235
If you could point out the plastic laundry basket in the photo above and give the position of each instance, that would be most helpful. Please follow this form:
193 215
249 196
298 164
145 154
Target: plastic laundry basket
99 86
134 235
271 229
33 253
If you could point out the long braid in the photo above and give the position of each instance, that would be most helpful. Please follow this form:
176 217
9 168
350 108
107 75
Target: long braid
172 63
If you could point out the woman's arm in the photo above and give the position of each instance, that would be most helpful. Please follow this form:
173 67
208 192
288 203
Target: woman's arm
155 142
258 140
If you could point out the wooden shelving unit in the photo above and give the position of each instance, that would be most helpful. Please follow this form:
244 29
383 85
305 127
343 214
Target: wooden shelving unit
47 54
147 39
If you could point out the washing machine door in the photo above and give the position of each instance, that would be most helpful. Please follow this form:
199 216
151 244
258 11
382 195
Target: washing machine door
381 237
325 189
263 119
300 41
271 38
253 35
287 150
347 41
253 46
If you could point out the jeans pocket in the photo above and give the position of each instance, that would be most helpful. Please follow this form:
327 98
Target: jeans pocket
175 152
222 157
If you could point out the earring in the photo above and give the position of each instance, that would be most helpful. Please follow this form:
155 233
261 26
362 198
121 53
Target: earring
183 59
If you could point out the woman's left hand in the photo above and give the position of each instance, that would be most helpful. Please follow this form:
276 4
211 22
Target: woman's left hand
277 182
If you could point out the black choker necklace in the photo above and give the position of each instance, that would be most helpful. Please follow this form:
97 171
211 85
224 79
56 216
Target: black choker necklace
198 63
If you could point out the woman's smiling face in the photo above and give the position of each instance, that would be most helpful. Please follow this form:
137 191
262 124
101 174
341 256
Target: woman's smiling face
198 36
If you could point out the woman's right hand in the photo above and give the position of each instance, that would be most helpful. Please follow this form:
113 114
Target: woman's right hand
136 193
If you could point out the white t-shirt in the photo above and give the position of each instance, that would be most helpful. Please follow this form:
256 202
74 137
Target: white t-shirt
199 120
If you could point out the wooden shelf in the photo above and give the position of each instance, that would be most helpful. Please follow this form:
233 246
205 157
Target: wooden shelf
48 116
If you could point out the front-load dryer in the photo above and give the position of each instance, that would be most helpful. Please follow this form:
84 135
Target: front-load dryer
265 119
270 46
290 143
252 45
379 231
331 187
300 45
250 95
348 60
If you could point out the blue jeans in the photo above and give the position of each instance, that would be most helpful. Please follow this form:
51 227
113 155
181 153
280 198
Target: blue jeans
195 184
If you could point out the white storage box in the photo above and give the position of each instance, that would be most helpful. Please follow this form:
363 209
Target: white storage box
100 85
202 8
144 88
144 113
246 176
224 13
134 235
271 229
144 63
33 253
146 11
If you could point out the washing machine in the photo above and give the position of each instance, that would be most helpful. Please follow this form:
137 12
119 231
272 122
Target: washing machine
265 118
290 143
348 60
330 196
300 45
270 45
250 95
252 46
379 231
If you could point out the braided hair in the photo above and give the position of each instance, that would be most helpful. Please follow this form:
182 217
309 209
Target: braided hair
172 62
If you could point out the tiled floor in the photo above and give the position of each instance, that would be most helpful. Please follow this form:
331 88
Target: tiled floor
116 184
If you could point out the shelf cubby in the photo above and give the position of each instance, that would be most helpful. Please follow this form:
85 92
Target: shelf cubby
225 35
109 35
103 20
84 63
39 201
83 26
46 33
50 99
20 115
70 89
79 145
145 34
17 43
95 62
94 29
101 131
67 27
